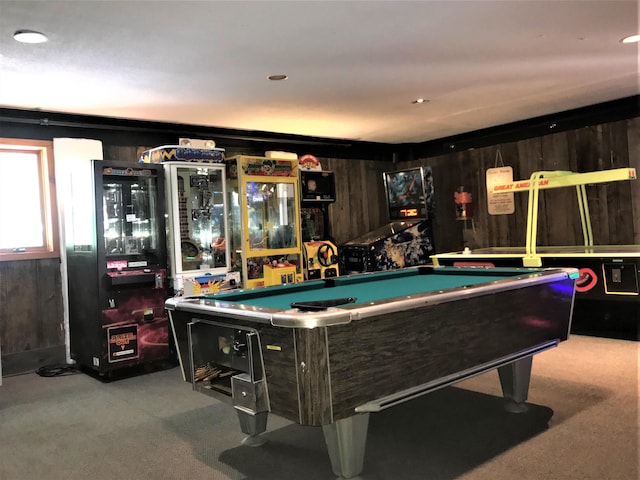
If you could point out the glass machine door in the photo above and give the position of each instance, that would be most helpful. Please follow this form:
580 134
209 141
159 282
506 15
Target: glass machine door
271 215
271 239
130 216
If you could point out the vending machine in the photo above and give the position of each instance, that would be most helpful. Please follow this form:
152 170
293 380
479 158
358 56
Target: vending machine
116 266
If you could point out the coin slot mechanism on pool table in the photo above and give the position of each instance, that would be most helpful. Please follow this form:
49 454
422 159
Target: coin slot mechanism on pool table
219 353
322 304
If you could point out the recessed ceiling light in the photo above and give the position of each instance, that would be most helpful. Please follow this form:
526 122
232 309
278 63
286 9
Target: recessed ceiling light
277 77
631 39
29 36
419 100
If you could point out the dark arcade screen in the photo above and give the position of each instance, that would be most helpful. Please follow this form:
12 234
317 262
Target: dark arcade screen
317 186
407 193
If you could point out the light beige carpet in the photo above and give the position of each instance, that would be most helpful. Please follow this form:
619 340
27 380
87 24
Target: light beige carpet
582 424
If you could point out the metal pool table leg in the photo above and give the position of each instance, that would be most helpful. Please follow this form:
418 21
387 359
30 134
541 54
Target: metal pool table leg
253 425
346 440
514 379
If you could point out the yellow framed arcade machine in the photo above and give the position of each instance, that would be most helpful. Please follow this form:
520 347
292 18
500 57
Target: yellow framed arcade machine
264 205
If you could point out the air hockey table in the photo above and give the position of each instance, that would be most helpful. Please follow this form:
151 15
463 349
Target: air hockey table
607 289
328 353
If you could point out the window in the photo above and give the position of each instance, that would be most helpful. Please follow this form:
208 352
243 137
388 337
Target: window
28 213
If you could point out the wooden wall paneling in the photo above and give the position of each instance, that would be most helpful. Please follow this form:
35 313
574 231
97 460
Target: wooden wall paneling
514 221
530 160
485 228
571 164
375 193
454 166
361 194
355 216
560 214
609 193
49 301
479 228
22 324
600 192
606 200
620 197
335 208
360 206
605 147
587 152
446 170
121 153
589 157
633 147
341 210
581 150
6 279
482 228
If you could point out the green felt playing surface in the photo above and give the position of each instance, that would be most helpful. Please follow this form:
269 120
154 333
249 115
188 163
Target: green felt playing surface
364 288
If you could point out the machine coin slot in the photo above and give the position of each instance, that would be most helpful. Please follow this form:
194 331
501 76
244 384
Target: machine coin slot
616 275
240 344
147 315
620 278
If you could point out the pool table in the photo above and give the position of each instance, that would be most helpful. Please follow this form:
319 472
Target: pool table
359 344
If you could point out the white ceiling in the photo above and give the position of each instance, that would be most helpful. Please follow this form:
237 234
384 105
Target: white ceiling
354 66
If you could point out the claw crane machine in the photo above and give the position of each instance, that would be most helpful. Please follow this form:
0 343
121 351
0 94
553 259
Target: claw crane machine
116 261
264 207
199 254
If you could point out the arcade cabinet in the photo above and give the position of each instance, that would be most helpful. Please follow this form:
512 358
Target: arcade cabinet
199 253
408 239
264 220
116 259
320 253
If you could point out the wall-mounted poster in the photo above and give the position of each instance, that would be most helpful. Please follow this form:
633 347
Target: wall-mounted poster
499 203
